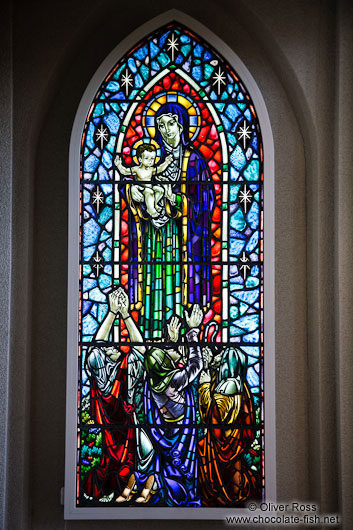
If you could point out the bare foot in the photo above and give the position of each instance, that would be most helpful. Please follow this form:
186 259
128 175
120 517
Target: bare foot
147 491
129 491
87 497
107 498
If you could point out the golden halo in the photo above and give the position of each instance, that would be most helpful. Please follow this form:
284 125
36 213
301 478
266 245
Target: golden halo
148 120
145 141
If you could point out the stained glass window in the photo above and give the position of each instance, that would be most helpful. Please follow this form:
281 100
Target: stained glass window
170 351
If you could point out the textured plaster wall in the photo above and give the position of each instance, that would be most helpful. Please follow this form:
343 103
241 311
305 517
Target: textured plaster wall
5 231
299 54
344 256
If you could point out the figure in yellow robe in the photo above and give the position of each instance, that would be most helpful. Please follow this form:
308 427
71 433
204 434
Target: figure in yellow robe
227 410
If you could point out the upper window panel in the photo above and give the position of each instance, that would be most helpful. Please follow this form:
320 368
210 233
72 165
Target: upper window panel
170 353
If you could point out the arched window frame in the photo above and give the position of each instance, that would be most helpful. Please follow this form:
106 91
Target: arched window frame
71 511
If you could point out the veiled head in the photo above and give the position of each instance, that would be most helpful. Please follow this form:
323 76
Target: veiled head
172 125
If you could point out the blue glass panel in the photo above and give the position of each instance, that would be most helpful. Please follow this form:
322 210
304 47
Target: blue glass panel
107 159
102 311
112 121
154 50
105 215
252 377
227 123
232 112
248 323
99 110
252 337
185 50
208 69
237 220
113 86
234 331
234 312
185 38
91 231
107 254
86 196
252 282
86 270
236 246
104 281
141 53
251 173
197 73
247 296
238 159
88 284
97 296
90 136
89 325
253 217
253 242
91 164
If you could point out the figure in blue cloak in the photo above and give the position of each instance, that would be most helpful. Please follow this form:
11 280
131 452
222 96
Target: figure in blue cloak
171 477
171 254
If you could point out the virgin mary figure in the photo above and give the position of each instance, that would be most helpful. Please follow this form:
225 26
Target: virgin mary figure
170 253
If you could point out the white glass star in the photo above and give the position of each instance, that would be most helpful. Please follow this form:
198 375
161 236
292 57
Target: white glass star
98 198
244 133
102 135
245 197
219 79
126 81
172 45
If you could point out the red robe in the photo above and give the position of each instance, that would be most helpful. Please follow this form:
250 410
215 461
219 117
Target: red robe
119 442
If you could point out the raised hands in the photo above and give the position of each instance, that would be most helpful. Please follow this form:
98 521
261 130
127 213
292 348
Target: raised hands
118 162
123 302
207 356
163 166
195 318
119 302
169 159
173 328
113 302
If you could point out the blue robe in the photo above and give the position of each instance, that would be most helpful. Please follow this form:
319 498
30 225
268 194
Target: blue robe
171 421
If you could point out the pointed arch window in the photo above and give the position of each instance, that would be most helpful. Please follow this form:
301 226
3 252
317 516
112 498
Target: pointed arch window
166 361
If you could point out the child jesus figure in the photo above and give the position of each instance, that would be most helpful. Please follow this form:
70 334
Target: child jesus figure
143 173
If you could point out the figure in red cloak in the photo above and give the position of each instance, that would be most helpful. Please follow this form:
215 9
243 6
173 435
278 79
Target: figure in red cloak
112 409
